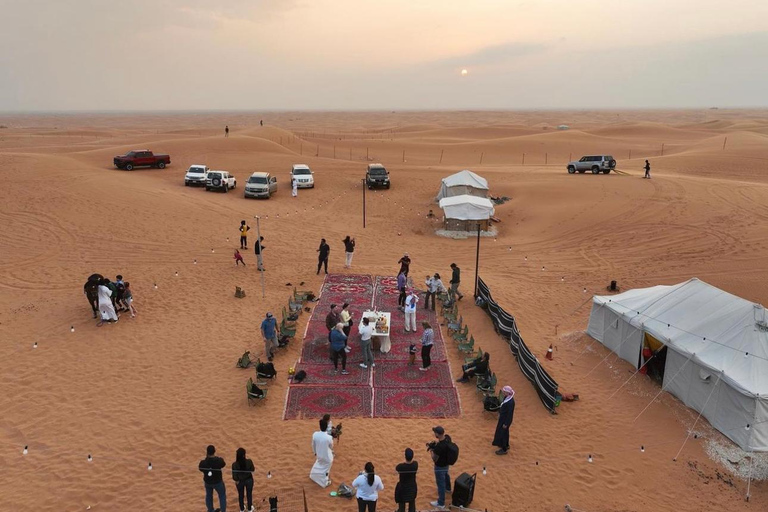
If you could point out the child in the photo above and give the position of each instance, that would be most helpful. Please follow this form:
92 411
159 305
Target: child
412 354
128 299
238 258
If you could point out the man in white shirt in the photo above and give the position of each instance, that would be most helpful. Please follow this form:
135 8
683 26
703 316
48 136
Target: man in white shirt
410 310
366 332
322 447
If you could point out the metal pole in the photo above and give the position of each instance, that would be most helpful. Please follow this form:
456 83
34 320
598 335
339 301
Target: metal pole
258 241
363 203
477 258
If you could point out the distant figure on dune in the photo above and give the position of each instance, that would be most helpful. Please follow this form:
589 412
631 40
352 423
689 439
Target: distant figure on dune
349 251
322 447
261 122
322 258
647 170
226 131
211 467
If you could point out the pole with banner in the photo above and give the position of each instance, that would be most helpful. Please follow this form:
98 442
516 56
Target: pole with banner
477 259
363 203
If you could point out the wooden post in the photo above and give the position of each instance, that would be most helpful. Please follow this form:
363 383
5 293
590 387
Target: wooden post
301 150
481 157
546 158
334 152
441 155
317 152
350 154
523 159
570 157
403 156
724 141
662 149
366 154
630 155
281 140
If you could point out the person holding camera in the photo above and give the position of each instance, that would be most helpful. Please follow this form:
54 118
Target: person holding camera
441 449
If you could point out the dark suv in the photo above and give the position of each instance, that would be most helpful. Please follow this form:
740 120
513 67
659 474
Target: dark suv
377 176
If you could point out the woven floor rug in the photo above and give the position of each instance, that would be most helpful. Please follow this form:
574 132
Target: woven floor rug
311 402
400 374
323 375
416 403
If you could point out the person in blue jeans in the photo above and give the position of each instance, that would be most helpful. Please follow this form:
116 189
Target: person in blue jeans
439 450
211 467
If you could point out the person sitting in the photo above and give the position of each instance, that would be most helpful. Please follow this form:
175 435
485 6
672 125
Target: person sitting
477 367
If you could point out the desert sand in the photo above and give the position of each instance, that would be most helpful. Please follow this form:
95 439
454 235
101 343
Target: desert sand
162 386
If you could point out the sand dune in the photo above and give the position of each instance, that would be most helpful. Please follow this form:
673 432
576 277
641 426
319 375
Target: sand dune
162 386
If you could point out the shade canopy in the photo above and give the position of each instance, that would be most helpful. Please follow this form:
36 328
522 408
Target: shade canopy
467 207
463 183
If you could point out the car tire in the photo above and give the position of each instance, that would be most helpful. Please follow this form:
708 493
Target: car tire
606 171
571 169
161 165
595 169
612 164
128 167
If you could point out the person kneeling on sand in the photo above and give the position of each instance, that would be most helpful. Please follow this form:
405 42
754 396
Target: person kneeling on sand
322 447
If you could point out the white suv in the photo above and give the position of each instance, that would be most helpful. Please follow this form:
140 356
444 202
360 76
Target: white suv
303 176
196 175
596 164
260 184
220 180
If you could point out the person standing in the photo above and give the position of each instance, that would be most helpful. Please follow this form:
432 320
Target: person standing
346 319
434 286
455 281
128 300
211 467
439 450
322 258
507 411
91 291
226 131
647 170
244 229
294 187
338 342
405 264
331 319
349 251
406 489
269 333
242 474
258 249
366 333
106 308
427 341
402 280
322 447
368 485
410 310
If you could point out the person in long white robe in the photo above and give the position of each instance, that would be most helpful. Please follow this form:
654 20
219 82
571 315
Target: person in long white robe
322 447
294 187
107 310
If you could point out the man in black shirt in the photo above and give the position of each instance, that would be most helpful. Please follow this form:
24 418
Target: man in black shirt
647 170
439 451
259 259
476 368
211 467
455 281
322 257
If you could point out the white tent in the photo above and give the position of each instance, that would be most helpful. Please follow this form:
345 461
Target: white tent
717 350
467 207
463 183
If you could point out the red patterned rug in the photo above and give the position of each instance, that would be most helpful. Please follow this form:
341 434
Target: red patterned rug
403 375
339 401
416 403
322 374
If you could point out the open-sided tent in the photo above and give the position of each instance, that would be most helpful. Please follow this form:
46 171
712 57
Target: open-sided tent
716 350
462 213
463 183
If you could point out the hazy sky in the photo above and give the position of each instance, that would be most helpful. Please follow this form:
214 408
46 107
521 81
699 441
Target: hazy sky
381 54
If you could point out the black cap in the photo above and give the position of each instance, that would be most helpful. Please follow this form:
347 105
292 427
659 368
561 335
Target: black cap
438 430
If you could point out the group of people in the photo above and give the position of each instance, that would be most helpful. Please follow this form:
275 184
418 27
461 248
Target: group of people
258 247
109 298
212 467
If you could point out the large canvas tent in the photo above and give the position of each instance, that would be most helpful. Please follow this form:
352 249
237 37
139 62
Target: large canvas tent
716 350
463 213
463 183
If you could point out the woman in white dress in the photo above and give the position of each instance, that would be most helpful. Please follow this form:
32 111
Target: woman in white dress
294 187
106 308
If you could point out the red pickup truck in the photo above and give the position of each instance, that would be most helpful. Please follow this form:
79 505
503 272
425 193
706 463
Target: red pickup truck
141 158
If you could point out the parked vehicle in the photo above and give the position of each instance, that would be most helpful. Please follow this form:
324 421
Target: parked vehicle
303 176
596 164
260 184
141 158
220 180
196 175
377 176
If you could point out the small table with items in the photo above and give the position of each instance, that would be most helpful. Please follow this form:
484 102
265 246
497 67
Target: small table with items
382 324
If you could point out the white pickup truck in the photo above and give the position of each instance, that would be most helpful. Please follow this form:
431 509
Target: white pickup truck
196 175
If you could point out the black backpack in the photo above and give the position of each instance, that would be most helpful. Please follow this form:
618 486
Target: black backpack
266 370
452 453
491 403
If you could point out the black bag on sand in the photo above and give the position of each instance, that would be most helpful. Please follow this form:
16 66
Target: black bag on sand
300 376
283 341
463 490
491 403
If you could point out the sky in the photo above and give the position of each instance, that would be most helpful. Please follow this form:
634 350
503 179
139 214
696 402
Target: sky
77 55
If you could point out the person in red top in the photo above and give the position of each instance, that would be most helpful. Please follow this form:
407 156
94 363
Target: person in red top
239 258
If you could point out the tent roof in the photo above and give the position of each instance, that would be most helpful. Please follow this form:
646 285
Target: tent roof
467 207
467 179
721 331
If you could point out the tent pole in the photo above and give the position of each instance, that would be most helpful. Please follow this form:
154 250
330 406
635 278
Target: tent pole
477 258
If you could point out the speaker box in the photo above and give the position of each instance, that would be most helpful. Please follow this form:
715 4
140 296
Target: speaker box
613 286
463 490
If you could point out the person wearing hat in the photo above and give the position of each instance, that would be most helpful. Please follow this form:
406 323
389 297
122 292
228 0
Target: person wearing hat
269 332
406 489
410 311
439 450
507 411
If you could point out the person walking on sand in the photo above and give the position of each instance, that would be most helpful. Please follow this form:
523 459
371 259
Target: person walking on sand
366 333
410 311
368 485
402 280
106 308
507 411
258 249
269 333
406 489
211 467
294 187
338 343
128 300
239 258
427 341
322 447
455 281
349 251
244 229
405 264
322 255
242 474
226 131
647 170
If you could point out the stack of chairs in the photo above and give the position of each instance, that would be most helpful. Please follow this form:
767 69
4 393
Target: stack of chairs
292 311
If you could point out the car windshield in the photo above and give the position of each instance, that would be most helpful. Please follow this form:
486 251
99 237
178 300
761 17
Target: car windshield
196 170
378 172
258 179
301 172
